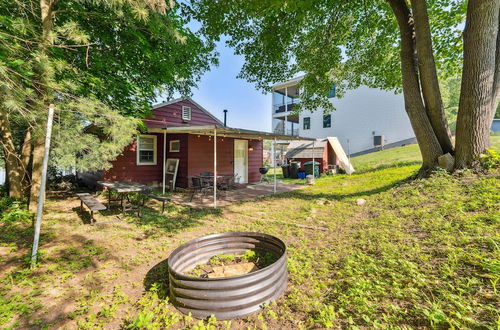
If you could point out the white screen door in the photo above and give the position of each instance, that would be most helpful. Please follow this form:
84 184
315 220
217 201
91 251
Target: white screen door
241 160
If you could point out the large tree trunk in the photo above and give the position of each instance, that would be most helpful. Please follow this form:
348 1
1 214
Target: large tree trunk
26 150
428 76
427 140
12 162
478 91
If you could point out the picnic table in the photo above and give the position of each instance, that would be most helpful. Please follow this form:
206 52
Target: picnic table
122 188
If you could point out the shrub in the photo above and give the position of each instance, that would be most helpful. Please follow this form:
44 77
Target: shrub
490 159
13 211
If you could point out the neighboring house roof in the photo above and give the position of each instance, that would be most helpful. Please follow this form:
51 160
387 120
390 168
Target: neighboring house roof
304 149
291 82
208 113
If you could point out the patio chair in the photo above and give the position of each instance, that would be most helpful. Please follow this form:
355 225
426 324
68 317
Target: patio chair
206 174
224 184
199 185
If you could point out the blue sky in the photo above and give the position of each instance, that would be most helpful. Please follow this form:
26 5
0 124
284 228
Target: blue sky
219 89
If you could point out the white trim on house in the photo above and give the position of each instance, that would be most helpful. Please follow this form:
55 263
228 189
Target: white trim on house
155 150
171 148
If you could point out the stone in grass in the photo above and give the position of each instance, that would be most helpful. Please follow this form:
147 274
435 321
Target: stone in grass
446 161
322 201
361 201
232 270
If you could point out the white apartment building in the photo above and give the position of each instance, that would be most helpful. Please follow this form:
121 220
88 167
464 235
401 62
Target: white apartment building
365 119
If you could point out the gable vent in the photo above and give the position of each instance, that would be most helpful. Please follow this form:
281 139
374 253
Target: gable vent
186 113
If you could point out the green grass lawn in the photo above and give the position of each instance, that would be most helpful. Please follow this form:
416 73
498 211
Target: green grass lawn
421 253
406 155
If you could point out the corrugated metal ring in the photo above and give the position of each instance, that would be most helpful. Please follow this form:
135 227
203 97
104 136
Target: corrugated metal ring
227 297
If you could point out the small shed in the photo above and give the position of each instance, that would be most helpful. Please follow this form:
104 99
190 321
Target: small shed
325 151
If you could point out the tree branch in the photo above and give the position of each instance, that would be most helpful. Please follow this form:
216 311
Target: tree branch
428 75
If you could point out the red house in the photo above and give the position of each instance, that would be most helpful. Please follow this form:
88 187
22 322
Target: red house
182 129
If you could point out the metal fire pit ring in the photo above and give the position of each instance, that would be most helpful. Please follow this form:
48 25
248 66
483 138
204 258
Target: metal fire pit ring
226 297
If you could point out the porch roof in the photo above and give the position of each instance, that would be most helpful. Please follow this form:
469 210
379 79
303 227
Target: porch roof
227 132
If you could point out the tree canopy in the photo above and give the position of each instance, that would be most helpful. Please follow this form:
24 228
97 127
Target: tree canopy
399 45
349 43
99 62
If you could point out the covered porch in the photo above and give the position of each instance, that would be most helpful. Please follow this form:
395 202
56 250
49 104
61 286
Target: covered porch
241 164
243 193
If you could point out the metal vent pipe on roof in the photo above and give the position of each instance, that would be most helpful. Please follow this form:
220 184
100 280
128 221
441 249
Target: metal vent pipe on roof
225 117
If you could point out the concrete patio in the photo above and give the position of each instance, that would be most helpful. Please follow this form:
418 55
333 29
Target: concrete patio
246 192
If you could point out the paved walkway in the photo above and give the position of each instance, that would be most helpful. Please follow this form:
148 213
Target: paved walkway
247 192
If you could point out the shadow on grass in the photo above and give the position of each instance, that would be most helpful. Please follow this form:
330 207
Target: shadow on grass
175 218
333 195
158 275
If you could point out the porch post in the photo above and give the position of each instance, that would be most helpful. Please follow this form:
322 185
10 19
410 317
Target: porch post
314 166
274 164
215 167
286 111
164 155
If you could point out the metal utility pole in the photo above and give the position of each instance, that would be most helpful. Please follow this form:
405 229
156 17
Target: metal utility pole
274 164
215 168
164 155
41 196
349 153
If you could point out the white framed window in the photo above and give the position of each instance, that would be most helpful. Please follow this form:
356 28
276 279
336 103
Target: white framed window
146 150
186 113
175 146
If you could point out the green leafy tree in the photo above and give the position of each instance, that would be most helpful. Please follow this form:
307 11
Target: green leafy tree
98 62
354 43
450 89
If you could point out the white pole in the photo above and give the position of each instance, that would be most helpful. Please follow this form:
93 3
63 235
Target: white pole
274 164
314 166
41 196
286 111
349 153
215 168
164 155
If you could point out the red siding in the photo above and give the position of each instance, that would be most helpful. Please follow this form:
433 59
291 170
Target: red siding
171 115
323 162
125 166
182 155
201 155
196 152
255 159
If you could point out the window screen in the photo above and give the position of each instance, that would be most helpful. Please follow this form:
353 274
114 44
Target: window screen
175 146
307 122
327 121
146 150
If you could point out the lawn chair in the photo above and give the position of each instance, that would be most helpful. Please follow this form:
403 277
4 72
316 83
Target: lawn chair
199 185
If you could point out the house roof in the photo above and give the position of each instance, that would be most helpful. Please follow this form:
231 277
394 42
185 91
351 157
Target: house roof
288 83
187 98
306 149
227 132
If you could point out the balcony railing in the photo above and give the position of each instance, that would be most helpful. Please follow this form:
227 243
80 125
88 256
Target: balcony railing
279 108
281 131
